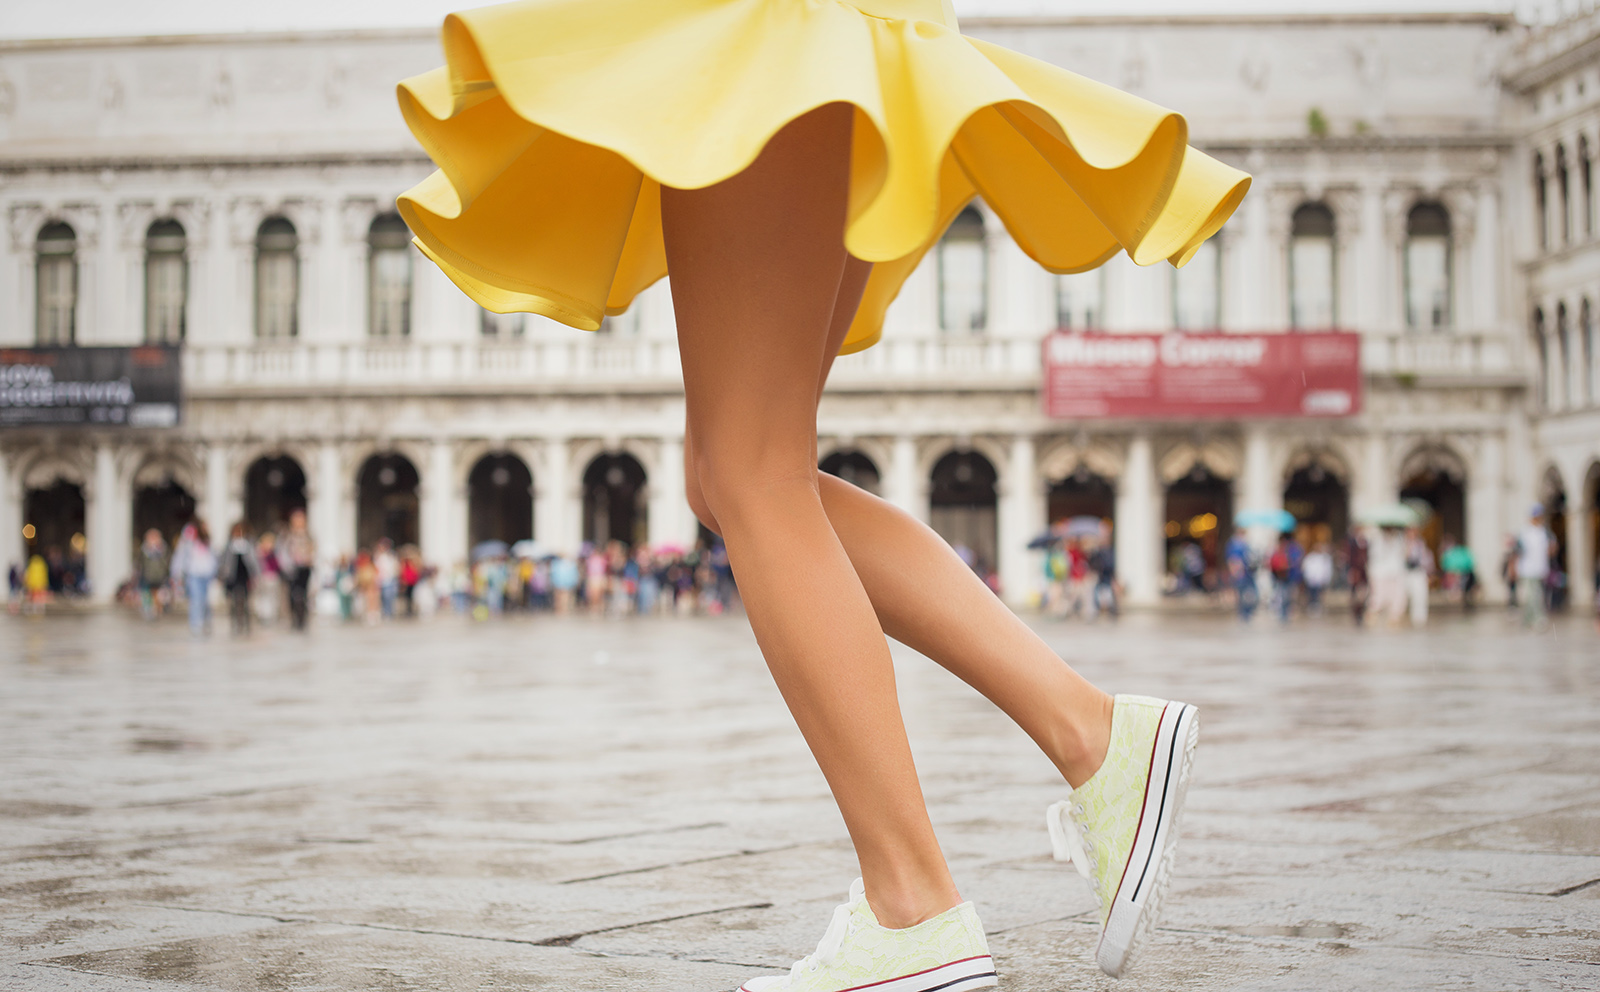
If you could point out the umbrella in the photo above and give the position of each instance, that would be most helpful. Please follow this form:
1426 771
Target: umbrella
526 549
489 549
1390 515
1081 527
1421 507
1278 520
668 548
1045 540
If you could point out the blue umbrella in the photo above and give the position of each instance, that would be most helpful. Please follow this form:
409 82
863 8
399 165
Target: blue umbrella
1084 526
1278 520
489 549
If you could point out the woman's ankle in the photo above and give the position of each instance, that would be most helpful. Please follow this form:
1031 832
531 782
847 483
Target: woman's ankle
897 907
1081 746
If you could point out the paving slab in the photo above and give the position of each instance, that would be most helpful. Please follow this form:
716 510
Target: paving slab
581 804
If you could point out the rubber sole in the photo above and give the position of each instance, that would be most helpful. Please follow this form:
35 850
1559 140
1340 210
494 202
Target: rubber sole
957 976
1139 896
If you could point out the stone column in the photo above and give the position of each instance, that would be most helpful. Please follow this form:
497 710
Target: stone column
552 501
108 514
221 509
442 541
1372 312
1580 554
11 543
1139 525
1486 270
1487 525
1020 520
1375 486
332 522
671 520
904 489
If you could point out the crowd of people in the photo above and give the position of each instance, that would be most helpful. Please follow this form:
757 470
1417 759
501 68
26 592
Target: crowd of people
266 577
1390 573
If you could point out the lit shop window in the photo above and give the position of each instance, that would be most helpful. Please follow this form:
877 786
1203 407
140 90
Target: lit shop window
964 275
1080 300
57 284
166 282
1428 267
277 279
1197 291
1311 269
389 277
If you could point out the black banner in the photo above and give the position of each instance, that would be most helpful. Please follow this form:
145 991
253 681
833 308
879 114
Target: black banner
91 387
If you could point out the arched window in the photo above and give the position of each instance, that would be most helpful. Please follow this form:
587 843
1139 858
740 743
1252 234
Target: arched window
1541 200
964 274
1586 179
1544 357
1564 349
501 326
56 322
1197 291
1312 297
166 282
389 277
1428 284
277 279
1563 188
1591 359
1080 301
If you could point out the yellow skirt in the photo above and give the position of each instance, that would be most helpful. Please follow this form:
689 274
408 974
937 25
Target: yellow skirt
555 123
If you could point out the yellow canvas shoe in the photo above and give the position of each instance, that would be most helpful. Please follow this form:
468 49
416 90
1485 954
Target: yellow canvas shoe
1120 828
948 953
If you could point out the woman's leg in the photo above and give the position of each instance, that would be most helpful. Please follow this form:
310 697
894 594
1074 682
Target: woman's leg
756 263
927 598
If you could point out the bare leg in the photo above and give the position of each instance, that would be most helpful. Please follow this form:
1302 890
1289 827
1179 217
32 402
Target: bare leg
756 263
928 599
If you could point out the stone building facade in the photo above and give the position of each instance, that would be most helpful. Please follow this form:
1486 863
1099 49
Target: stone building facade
235 194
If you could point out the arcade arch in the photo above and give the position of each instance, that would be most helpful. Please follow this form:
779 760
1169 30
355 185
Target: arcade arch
274 487
387 503
615 500
499 499
855 467
1437 476
963 506
1317 491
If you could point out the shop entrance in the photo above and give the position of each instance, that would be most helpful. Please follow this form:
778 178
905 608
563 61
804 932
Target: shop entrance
1199 512
499 500
274 487
53 523
387 503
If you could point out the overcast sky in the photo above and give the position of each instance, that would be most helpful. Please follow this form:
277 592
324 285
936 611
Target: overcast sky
79 18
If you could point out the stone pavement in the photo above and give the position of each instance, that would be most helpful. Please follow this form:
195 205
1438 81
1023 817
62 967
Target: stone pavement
585 805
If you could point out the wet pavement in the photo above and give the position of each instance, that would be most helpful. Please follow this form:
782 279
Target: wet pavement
586 805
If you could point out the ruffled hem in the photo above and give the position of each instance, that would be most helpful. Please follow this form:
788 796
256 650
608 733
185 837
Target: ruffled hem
555 123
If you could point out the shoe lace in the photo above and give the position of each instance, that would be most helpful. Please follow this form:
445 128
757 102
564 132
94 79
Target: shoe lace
1069 838
842 924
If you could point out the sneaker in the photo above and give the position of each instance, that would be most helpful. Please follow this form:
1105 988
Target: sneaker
1120 828
948 953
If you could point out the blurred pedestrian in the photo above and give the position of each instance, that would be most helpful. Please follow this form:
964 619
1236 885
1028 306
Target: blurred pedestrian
267 600
596 573
1533 567
1419 569
1284 564
410 575
297 556
1460 571
367 592
195 565
1317 573
563 583
344 585
1240 560
153 572
237 572
1103 563
386 567
1357 576
1386 557
35 585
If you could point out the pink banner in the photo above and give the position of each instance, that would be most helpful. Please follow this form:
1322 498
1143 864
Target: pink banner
1202 375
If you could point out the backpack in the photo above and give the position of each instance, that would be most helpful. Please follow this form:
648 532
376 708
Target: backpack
1279 563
